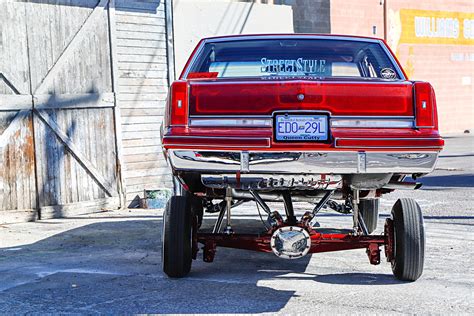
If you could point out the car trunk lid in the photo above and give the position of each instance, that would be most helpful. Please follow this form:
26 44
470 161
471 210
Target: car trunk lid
264 97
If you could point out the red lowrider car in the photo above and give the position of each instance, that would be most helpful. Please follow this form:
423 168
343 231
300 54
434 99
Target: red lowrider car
331 120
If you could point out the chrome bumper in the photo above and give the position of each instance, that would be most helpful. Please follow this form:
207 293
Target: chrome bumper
328 162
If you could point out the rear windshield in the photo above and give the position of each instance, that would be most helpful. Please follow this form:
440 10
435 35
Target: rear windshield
270 58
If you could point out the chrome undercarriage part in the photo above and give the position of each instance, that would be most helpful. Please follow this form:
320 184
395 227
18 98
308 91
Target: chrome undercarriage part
290 237
319 206
272 181
278 196
290 242
228 199
296 163
355 212
312 182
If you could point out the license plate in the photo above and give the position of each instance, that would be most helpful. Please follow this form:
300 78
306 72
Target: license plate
298 127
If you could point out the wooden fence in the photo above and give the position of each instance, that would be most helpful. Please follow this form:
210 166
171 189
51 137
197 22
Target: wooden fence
82 87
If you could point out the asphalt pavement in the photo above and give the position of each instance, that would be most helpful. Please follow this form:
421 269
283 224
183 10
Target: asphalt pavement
110 262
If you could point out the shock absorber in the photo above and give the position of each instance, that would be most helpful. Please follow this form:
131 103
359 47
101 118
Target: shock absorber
355 211
228 198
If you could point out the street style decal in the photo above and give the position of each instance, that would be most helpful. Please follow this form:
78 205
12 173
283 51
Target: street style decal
388 73
291 66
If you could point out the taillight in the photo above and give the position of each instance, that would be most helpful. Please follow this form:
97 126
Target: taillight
179 103
425 106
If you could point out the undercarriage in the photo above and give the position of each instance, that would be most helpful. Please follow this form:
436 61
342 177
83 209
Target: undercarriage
283 233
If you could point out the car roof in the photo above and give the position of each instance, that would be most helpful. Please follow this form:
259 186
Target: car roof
291 35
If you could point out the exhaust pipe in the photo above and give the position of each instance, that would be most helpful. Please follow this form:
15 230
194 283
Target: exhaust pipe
403 185
278 197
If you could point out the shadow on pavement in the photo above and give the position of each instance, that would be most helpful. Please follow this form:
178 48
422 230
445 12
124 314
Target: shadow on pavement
456 156
454 180
115 267
447 217
358 279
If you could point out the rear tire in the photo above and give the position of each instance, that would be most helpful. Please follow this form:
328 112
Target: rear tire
369 209
409 240
177 237
197 209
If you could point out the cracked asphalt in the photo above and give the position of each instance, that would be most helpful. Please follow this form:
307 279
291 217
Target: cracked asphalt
110 263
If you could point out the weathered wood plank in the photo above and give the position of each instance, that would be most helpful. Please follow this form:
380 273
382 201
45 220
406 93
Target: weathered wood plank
130 159
158 44
40 156
117 116
150 51
148 181
140 35
143 105
143 82
141 66
80 208
12 216
170 41
77 42
87 184
139 135
155 111
5 119
81 158
127 120
126 5
13 127
13 48
145 165
62 23
141 19
146 172
153 127
132 27
51 166
131 143
15 102
144 89
159 13
145 59
17 164
142 150
143 85
155 107
70 169
135 98
143 74
74 101
58 152
92 143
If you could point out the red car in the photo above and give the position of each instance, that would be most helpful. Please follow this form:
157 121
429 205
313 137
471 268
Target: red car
331 120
